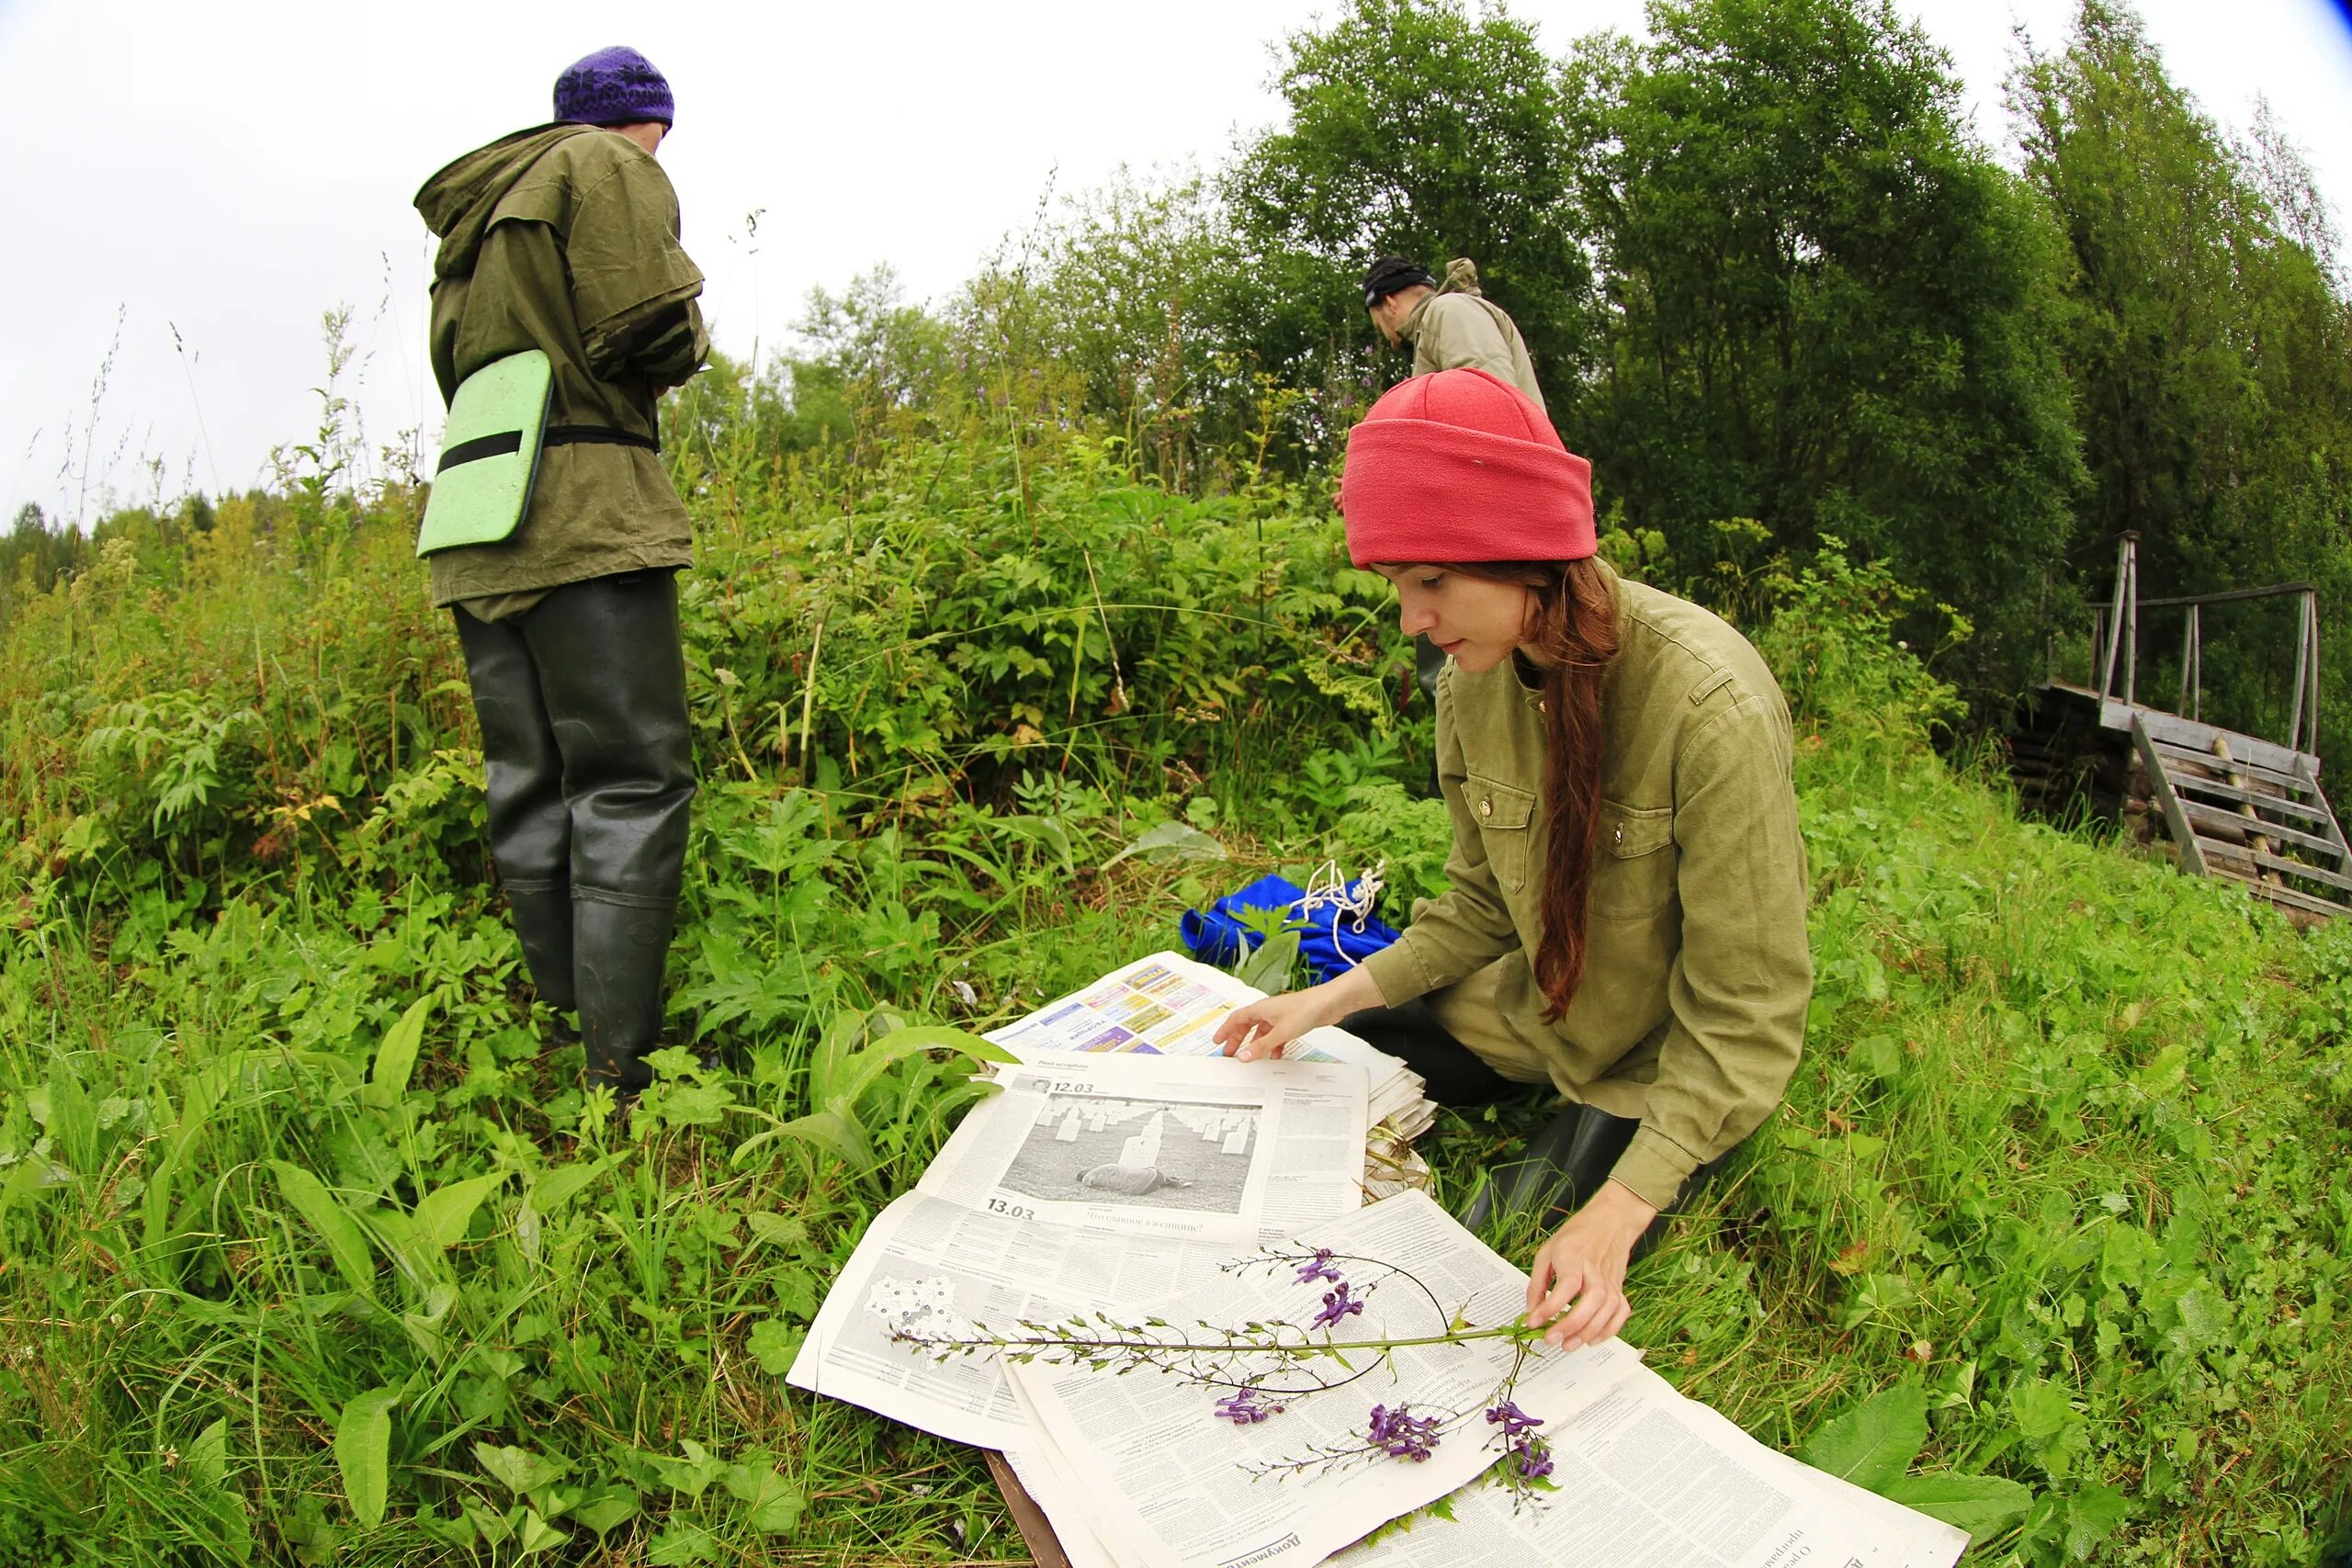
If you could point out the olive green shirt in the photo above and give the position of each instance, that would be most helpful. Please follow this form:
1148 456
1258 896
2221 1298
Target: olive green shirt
1455 331
1692 1013
565 238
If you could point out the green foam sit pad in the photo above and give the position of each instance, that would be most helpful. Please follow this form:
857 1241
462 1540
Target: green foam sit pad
490 454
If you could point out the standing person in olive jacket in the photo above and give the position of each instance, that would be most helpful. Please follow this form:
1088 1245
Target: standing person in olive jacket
1626 914
564 238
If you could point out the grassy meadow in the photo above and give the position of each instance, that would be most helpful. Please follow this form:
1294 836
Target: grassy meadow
310 1252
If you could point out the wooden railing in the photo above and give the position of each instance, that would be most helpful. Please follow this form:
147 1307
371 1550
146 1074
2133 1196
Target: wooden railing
2114 655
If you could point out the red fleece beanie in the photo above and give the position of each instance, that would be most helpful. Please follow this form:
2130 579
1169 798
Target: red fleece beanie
1462 466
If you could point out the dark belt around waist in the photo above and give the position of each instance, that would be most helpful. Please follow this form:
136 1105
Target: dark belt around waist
499 444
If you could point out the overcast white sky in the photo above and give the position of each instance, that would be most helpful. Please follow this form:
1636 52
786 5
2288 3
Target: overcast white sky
227 172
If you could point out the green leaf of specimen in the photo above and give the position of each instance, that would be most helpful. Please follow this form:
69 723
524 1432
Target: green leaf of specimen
519 1469
772 1504
555 1187
443 1214
604 1510
773 1344
1269 968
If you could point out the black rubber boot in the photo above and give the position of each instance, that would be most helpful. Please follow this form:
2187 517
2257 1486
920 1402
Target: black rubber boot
619 950
543 919
1564 1165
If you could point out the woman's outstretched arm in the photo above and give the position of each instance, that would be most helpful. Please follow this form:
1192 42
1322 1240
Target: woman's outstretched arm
1263 1028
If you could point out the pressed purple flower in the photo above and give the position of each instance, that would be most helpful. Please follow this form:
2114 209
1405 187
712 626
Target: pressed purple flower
1318 1268
1401 1435
1513 1419
1534 1459
1336 1306
1243 1410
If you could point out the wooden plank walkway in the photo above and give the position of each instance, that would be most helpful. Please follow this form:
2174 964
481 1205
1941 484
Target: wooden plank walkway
2277 836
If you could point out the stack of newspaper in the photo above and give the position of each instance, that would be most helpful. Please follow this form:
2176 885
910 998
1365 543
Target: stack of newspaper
1169 1005
1150 1188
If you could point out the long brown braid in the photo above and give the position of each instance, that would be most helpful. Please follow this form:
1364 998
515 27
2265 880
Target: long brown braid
1571 636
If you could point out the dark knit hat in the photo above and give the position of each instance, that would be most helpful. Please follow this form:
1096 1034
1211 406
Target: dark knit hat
1389 275
613 86
1463 467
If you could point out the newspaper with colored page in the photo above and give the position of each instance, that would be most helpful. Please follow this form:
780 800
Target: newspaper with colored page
1169 1005
1084 1183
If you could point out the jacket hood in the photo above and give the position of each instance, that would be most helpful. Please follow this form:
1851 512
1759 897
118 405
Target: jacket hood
457 203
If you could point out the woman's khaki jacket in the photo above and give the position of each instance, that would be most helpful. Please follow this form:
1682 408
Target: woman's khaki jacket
1697 974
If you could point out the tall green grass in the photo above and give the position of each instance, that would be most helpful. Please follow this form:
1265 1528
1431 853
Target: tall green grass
311 1250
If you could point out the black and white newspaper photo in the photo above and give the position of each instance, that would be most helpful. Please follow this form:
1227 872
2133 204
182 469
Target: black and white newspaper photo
1157 1146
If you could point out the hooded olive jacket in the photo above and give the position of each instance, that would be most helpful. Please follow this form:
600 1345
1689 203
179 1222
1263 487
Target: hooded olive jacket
565 238
1463 331
1692 1013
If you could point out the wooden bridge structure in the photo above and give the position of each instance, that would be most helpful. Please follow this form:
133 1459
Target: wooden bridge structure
2245 808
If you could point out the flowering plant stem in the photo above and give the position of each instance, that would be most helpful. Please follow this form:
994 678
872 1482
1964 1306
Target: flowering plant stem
1076 1344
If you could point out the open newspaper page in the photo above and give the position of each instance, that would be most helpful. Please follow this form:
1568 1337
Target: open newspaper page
1189 1161
926 1262
1648 1479
1157 1471
1169 1005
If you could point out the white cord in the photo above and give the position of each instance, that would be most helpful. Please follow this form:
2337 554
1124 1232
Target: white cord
1329 886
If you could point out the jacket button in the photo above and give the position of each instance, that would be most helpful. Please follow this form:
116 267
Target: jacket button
1621 833
1487 807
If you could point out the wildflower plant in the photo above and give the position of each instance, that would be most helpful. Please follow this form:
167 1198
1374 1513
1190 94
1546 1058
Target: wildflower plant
1259 1369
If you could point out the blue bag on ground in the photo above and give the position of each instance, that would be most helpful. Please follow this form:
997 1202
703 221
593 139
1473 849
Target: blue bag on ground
1341 931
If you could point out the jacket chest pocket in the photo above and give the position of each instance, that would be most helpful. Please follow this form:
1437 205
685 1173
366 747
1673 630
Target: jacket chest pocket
1506 825
1634 865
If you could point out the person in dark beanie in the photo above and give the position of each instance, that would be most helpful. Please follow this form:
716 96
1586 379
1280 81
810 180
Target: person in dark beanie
1625 916
564 238
1451 327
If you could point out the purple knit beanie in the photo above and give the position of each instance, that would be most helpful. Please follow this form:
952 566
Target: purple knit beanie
613 86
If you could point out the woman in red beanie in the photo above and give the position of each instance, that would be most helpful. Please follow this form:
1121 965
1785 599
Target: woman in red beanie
1626 919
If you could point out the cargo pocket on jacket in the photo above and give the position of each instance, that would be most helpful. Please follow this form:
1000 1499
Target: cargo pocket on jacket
1504 816
1632 874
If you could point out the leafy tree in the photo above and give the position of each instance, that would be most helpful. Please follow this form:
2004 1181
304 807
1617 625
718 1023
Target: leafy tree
1826 310
1415 130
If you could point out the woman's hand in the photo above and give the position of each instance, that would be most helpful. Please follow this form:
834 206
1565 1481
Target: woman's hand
1263 1028
1585 1263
